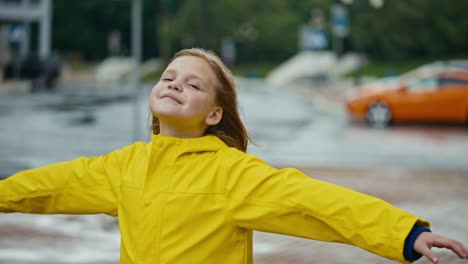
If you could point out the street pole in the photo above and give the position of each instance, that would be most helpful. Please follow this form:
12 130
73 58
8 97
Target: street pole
340 27
45 24
357 11
136 74
203 26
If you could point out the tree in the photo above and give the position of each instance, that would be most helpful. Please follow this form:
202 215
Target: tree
83 26
262 32
410 29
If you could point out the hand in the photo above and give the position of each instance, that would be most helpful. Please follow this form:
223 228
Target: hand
427 240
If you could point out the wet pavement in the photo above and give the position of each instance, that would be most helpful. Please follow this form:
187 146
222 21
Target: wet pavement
104 119
423 169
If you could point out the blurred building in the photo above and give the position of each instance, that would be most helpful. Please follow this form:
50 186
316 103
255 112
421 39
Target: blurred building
18 60
16 18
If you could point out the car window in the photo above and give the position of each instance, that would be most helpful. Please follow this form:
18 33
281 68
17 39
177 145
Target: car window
423 85
452 81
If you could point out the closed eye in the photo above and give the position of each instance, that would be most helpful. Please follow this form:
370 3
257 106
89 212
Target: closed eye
167 79
194 86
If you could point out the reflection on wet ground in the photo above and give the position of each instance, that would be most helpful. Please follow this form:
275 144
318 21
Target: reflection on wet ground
58 239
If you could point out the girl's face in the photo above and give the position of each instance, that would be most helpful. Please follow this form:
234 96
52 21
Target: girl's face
184 99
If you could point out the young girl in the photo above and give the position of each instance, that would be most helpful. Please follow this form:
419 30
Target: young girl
192 194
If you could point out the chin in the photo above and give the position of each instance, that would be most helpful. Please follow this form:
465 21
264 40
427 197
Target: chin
163 114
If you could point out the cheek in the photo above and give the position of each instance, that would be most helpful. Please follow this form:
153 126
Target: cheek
204 103
153 96
155 89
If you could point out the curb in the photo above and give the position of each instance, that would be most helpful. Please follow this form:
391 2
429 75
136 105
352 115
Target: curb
15 87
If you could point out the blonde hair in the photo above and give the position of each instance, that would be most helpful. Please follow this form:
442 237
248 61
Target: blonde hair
230 129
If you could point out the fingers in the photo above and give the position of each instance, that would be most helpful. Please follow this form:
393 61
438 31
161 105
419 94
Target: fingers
431 256
423 245
428 240
454 245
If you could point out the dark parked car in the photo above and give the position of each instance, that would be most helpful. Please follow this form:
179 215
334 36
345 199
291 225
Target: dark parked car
42 73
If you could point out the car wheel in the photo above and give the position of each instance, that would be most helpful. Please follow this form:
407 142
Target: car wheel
466 119
379 115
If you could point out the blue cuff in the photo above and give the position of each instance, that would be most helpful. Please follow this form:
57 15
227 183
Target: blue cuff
408 251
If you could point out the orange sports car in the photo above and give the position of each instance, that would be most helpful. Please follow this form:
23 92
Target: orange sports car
430 95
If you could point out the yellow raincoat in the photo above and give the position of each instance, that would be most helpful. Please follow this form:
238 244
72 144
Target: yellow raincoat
197 201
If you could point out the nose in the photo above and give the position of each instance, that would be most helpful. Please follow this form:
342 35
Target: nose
173 85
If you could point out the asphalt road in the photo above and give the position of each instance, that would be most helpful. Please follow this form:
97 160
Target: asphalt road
288 128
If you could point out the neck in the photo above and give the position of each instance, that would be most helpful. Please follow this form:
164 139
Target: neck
180 131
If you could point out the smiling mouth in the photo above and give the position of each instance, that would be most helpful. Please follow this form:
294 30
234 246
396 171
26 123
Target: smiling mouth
170 98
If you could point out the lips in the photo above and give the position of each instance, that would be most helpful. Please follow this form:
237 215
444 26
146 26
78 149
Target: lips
171 97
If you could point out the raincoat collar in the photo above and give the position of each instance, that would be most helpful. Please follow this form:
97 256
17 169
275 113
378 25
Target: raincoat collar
200 144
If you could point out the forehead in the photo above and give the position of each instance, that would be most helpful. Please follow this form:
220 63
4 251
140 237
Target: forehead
191 65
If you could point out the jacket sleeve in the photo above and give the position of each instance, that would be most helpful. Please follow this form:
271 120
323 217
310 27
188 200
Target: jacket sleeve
80 186
289 202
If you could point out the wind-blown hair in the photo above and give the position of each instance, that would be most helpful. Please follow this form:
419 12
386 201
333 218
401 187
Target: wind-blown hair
230 129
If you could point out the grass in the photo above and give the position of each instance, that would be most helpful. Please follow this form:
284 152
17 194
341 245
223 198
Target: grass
389 68
379 68
375 68
259 70
153 76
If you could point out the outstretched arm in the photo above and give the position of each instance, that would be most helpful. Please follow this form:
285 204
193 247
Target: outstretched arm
81 186
289 202
427 240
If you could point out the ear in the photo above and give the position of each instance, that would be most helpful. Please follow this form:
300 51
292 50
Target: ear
214 117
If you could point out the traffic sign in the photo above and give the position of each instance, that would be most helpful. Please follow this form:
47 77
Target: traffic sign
339 20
